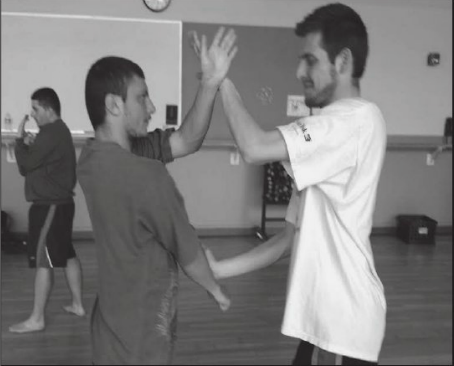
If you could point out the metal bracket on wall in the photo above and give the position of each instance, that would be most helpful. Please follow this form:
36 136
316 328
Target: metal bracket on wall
10 155
434 155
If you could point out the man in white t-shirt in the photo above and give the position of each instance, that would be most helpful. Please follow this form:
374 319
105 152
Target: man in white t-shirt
335 300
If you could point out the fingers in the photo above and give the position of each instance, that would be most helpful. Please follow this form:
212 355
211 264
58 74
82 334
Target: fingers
195 42
232 53
217 38
203 48
223 303
224 306
223 300
229 40
29 138
24 120
218 41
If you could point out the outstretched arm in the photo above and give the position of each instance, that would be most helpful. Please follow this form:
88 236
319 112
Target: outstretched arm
200 272
163 214
215 63
256 145
259 257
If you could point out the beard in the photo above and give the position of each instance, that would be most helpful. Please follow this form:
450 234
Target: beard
323 97
133 127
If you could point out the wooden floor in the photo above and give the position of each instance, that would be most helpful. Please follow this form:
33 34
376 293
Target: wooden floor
417 279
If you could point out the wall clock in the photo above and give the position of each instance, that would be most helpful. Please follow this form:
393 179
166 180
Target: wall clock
157 5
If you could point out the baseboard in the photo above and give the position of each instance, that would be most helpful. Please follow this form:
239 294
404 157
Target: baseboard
220 232
391 230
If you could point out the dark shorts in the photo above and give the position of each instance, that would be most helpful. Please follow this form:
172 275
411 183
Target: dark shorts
50 234
308 354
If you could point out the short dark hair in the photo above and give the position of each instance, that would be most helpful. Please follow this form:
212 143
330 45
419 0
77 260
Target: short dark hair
108 75
341 27
47 98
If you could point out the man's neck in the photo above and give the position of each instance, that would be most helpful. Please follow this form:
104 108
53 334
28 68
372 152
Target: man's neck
105 134
49 121
346 91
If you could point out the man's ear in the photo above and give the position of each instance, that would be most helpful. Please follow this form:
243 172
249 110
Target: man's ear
344 61
49 112
114 104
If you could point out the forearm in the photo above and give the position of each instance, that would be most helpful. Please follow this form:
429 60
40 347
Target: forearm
34 156
259 257
200 272
21 153
245 130
195 125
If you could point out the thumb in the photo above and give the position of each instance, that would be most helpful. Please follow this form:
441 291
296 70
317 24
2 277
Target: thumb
195 42
209 255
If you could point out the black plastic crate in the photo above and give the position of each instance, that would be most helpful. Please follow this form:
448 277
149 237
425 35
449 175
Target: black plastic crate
416 229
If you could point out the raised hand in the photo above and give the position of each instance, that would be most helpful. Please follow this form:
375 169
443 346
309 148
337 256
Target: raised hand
21 127
29 138
215 61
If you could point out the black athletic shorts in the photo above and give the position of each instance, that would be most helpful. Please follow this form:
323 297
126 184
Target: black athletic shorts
50 234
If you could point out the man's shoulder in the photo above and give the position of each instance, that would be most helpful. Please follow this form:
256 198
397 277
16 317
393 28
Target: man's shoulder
149 167
353 110
349 106
59 128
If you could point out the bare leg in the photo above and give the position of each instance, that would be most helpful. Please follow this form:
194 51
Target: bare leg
73 272
44 280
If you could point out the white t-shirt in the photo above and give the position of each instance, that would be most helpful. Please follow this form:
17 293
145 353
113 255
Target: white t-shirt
335 299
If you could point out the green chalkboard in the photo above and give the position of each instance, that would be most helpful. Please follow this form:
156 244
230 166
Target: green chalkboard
264 71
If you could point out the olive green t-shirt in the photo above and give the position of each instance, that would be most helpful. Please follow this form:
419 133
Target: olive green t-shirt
141 232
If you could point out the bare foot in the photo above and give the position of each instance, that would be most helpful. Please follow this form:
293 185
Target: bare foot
27 327
76 310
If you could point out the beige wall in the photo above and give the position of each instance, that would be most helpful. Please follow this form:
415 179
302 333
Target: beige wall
219 195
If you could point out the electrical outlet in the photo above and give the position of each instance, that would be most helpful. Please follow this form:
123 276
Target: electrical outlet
430 160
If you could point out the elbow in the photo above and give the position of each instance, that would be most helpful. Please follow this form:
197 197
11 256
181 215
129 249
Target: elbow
251 155
248 158
191 147
196 147
254 151
22 169
288 238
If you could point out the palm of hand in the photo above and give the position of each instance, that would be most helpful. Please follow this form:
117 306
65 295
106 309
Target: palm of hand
214 64
216 60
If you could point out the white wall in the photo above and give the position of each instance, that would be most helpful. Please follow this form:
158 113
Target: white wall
415 98
57 52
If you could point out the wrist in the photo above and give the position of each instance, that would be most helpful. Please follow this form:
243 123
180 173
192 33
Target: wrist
210 83
225 85
215 291
226 82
